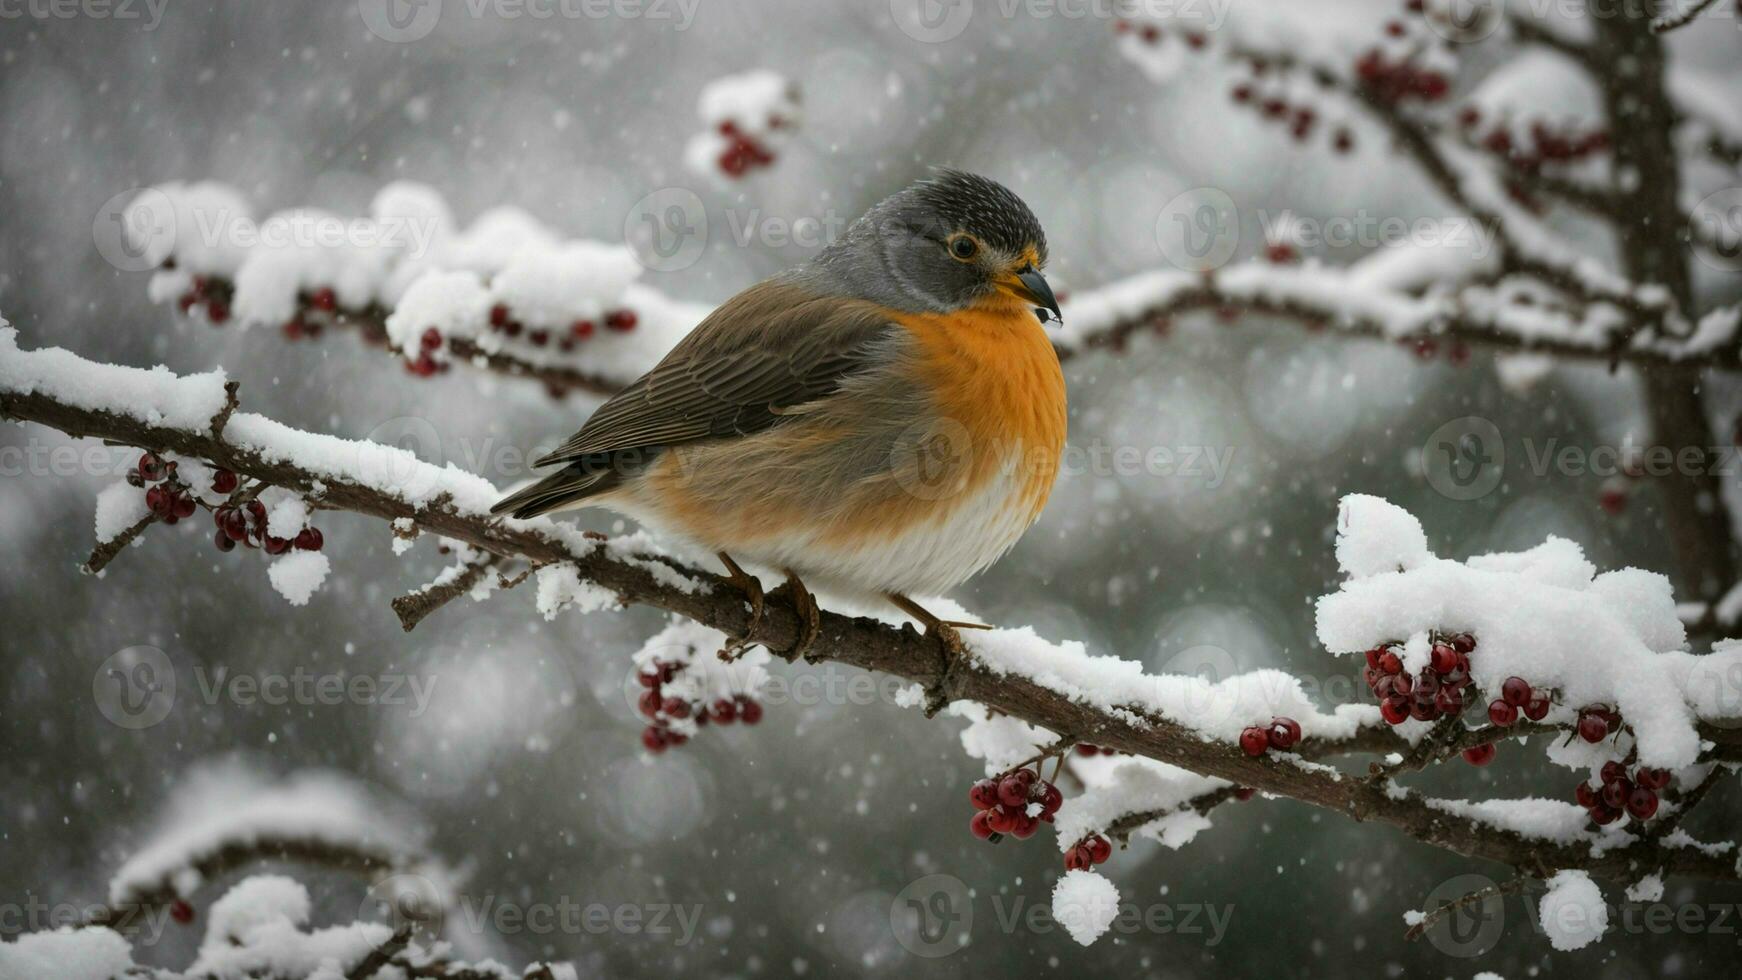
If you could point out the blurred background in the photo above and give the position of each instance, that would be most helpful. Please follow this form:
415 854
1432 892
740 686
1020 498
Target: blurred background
795 837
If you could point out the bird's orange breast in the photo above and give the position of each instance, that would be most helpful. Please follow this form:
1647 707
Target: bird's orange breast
992 369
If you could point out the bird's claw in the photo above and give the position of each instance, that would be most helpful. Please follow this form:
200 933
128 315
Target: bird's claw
937 694
809 618
752 589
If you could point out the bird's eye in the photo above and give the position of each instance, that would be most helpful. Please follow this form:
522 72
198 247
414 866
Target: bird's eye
963 247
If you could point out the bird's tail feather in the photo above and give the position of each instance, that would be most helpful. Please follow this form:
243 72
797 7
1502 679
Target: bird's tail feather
587 477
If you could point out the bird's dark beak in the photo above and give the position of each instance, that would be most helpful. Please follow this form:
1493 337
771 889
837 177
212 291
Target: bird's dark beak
1036 291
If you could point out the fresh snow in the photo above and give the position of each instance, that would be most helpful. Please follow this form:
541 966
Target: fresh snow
1572 913
1085 904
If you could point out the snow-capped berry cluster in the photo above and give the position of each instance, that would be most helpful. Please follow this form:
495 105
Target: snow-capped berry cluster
662 709
1087 750
1014 804
172 500
212 297
1517 696
247 524
746 115
1434 692
314 308
168 498
1088 852
1616 794
1281 733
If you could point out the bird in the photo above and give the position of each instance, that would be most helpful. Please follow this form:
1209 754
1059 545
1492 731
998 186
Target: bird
886 419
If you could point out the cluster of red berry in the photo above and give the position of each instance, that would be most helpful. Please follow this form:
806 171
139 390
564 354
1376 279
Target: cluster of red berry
1516 695
1002 806
1152 34
1281 733
1273 104
323 301
212 296
662 709
744 153
1617 794
1398 81
1088 852
1433 693
246 525
167 497
1085 749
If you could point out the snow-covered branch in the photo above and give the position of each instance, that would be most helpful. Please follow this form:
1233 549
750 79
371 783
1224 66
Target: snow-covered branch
1616 650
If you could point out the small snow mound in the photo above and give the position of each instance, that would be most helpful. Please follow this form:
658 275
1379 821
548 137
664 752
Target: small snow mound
298 575
67 953
561 587
1375 536
1646 889
1085 904
262 900
119 507
1573 914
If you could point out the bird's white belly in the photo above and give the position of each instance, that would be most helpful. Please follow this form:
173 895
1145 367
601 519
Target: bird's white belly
925 559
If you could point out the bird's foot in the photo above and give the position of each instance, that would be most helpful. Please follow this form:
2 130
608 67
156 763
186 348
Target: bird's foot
752 589
937 695
809 619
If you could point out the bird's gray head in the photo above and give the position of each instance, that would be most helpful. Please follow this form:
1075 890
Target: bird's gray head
949 242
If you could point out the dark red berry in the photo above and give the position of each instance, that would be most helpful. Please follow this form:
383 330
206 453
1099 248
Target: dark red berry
217 311
223 481
181 911
980 826
1025 826
581 329
1592 728
1586 796
1603 814
1051 799
1641 803
750 712
1612 771
223 541
431 339
151 468
649 702
1078 859
275 546
1449 701
1515 691
1001 819
1394 710
1085 749
1244 793
984 794
160 501
1389 663
498 316
1480 755
182 506
1443 658
1501 713
538 338
647 678
1284 732
1463 643
1100 849
653 739
1536 709
1374 656
1012 792
621 321
675 707
1254 741
1652 778
324 299
724 711
1616 793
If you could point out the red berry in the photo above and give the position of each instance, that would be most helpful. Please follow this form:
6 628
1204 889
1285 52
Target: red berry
1244 793
1012 792
1394 28
648 704
1027 776
653 739
1284 732
1025 826
181 911
1463 643
1254 741
1001 820
1612 771
1085 749
151 468
160 501
1591 728
498 316
1586 796
185 302
431 339
217 311
984 794
648 678
1100 849
621 321
1402 684
309 539
1344 141
1617 793
538 337
1612 500
1078 859
1389 663
1377 653
980 825
1515 691
1449 701
1603 814
724 711
1642 803
675 707
324 299
1394 710
275 546
1443 659
1536 709
1423 710
1501 713
223 481
183 506
1480 755
1242 93
1051 799
1652 778
750 712
223 541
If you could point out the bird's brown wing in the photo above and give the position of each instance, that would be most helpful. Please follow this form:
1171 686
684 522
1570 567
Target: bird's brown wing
768 349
